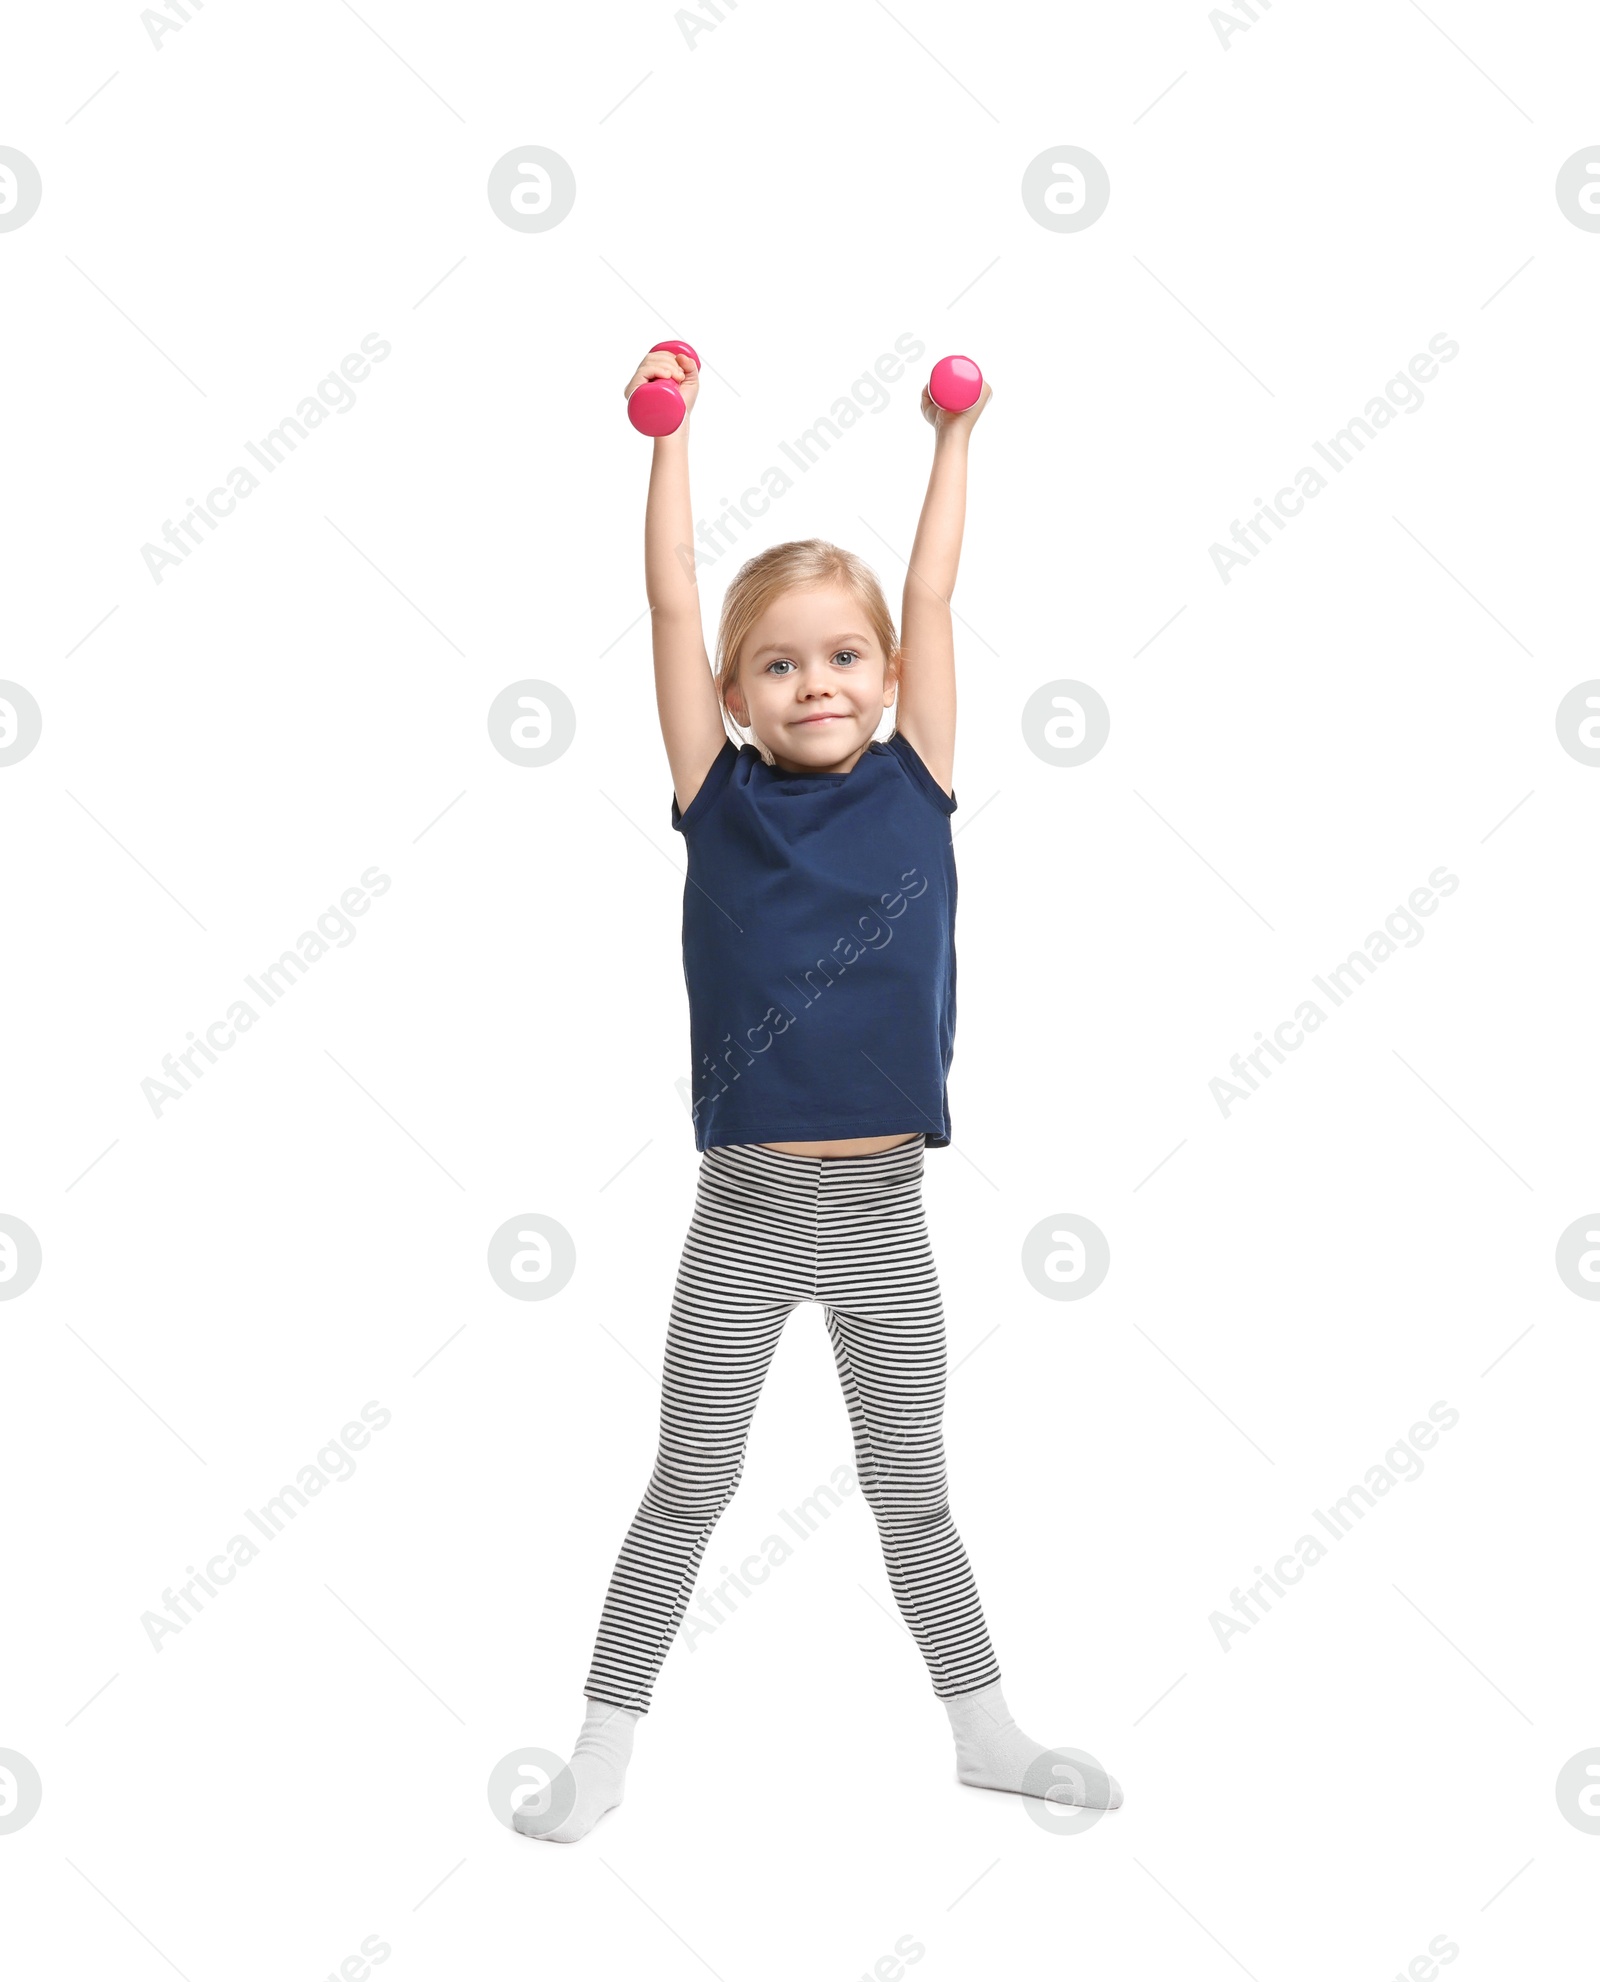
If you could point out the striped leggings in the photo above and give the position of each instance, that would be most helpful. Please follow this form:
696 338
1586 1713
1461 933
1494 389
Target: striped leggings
769 1231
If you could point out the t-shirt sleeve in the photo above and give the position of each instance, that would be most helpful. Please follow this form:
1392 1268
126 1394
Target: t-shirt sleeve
919 774
716 782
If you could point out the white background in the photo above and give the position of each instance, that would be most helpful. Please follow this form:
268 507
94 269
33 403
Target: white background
1292 1286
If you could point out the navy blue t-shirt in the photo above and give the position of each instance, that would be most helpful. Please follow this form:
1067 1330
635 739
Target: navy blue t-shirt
819 949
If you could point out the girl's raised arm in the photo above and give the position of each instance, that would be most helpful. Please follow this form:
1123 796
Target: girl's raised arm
925 712
686 702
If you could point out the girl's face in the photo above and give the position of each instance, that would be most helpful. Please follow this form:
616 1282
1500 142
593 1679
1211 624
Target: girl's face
813 683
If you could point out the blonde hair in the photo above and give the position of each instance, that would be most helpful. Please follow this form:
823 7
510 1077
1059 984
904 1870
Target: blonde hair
788 568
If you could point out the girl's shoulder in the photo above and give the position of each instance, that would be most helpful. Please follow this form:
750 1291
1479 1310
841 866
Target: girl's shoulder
714 784
904 751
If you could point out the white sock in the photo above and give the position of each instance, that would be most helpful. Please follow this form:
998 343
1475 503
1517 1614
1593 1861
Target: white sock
590 1784
992 1752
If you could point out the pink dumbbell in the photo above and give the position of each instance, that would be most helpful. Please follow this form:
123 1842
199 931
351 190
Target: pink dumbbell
955 385
657 407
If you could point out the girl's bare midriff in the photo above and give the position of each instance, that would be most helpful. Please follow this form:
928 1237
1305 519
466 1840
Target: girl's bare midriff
856 1146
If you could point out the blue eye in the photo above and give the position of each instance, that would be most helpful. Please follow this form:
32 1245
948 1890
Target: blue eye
850 651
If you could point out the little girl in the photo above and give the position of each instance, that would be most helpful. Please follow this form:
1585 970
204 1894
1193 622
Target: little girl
819 956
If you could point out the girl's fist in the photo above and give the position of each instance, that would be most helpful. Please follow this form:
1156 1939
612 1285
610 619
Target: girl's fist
666 365
941 421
